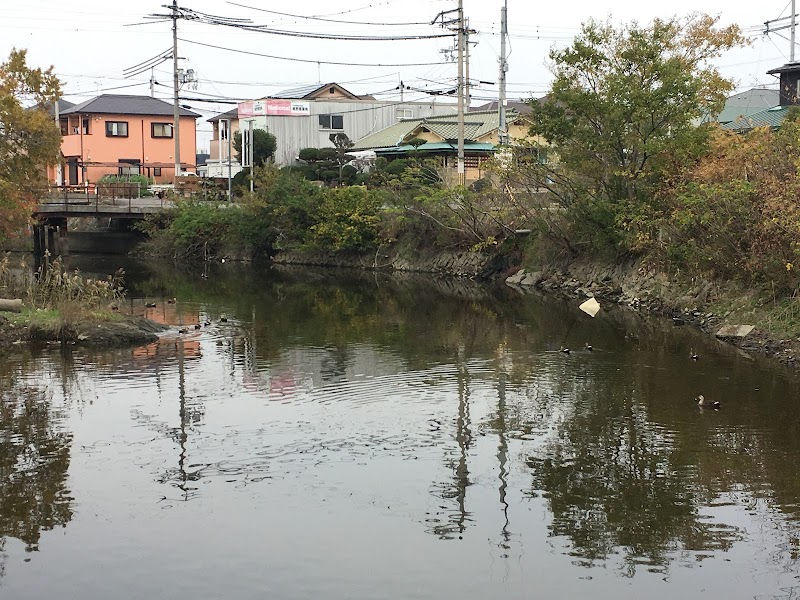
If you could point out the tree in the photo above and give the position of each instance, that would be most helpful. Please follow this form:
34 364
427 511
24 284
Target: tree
622 116
342 143
264 146
30 140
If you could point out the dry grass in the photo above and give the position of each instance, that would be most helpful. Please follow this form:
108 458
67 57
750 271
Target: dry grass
55 299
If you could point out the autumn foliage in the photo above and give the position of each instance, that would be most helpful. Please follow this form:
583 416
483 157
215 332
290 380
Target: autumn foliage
29 139
736 212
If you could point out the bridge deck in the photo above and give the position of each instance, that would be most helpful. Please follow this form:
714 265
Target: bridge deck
131 208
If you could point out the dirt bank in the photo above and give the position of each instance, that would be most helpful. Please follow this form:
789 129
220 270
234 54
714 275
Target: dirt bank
735 315
124 331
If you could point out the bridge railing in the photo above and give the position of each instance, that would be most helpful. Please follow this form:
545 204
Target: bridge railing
100 196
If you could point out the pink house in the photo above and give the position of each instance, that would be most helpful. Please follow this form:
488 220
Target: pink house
117 135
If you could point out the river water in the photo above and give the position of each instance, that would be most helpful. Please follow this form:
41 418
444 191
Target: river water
340 435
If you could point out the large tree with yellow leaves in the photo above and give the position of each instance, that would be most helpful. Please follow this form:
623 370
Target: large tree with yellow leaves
29 138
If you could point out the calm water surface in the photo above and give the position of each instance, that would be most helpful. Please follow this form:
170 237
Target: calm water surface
349 436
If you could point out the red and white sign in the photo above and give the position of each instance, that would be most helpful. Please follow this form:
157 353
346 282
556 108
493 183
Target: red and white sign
276 107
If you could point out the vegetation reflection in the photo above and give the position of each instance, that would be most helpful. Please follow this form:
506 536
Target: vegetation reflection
34 459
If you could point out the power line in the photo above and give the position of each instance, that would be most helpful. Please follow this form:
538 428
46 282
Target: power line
188 14
314 62
331 36
274 12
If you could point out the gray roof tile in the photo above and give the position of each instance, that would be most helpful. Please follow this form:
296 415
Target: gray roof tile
118 104
476 125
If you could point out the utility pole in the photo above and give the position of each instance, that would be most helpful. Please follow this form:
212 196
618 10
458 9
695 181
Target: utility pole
794 23
461 175
771 28
250 151
58 124
176 115
230 169
502 129
152 84
460 29
467 82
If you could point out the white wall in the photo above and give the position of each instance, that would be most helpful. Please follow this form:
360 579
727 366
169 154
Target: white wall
361 118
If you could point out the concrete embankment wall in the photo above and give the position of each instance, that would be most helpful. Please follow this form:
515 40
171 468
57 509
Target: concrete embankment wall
459 264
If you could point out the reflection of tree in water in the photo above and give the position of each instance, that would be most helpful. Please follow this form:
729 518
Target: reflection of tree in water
34 458
616 484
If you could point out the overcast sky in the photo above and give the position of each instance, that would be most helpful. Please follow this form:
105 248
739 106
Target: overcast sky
91 42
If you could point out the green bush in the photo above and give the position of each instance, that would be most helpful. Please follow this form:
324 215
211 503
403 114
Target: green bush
348 218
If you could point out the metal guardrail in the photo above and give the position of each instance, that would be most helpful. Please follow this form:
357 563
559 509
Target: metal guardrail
82 199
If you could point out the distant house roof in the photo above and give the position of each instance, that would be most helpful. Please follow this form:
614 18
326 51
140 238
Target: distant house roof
521 106
748 103
118 104
476 125
787 68
62 106
231 114
313 91
433 147
772 117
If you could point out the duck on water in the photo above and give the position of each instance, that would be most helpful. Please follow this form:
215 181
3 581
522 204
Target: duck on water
702 402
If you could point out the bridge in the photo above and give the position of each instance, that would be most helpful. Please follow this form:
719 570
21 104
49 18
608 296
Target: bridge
112 201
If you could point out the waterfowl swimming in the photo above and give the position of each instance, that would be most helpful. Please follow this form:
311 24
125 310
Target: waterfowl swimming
564 350
183 330
197 325
701 401
589 347
692 355
223 319
172 301
149 304
206 323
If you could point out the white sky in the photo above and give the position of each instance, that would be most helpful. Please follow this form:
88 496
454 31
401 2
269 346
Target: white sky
89 44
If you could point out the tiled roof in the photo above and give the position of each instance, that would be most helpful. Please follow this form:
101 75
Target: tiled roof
231 114
772 117
298 92
390 136
305 91
118 104
521 106
476 125
435 147
748 103
62 106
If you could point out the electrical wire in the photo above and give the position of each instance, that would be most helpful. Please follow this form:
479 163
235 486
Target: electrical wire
245 25
274 12
315 62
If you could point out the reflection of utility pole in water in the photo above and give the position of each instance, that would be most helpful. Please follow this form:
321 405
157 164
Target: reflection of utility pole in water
502 455
464 438
455 521
182 436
